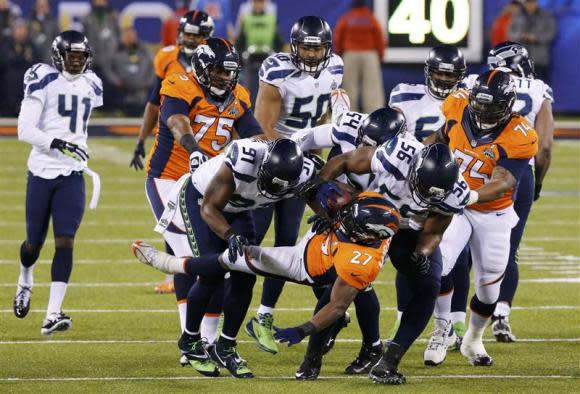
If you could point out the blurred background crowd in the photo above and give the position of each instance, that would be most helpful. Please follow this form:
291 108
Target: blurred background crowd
125 62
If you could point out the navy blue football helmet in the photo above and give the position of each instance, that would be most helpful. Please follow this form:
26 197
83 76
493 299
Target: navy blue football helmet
433 173
193 23
444 60
311 31
216 64
380 126
71 52
491 101
512 55
281 167
369 218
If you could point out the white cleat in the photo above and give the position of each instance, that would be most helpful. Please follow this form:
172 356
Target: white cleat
161 261
475 352
443 337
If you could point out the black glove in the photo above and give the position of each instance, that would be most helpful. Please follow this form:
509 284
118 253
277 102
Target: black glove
420 262
317 160
537 191
138 153
320 223
307 190
69 149
236 245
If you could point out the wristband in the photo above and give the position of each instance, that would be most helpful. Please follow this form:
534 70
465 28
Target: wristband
228 233
473 197
307 329
188 142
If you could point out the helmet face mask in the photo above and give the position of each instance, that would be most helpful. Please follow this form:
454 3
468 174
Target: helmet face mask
194 27
280 169
311 44
442 83
216 64
444 69
71 52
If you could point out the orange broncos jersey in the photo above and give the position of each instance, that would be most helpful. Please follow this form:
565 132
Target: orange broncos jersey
212 126
478 157
358 265
167 62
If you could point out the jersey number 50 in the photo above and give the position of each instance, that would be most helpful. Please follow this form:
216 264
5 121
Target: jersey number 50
307 116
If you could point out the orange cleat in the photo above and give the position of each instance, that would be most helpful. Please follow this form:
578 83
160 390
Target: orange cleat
165 288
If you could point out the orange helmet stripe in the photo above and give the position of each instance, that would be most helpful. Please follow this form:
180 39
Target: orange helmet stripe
490 77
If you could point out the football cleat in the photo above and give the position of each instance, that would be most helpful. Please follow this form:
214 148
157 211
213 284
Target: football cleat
459 328
22 301
501 329
227 357
261 329
193 353
382 373
475 352
55 322
166 287
367 358
443 337
161 261
335 329
310 368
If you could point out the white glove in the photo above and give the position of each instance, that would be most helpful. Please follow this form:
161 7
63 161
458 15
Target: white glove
195 160
339 102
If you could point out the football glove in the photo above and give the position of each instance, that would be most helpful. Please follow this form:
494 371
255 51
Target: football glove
325 192
537 191
236 245
420 262
294 335
138 154
69 149
196 159
320 223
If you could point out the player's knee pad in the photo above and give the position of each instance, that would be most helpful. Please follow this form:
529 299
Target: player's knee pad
481 307
29 253
488 292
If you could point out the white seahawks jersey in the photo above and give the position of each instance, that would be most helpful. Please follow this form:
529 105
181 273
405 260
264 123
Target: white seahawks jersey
304 98
391 164
66 108
530 94
341 137
243 157
421 110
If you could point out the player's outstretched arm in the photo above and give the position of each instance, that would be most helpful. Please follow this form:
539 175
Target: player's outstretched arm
150 116
501 181
268 104
218 193
545 128
341 297
357 161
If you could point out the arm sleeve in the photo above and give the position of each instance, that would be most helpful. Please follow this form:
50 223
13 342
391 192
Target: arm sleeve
247 125
515 166
154 97
30 112
172 106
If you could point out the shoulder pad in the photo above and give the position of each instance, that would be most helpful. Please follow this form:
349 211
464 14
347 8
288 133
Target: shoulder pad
38 77
335 65
404 92
276 68
95 82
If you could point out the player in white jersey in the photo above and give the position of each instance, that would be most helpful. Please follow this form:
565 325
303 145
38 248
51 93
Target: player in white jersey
534 100
215 214
353 129
294 93
425 185
53 118
421 104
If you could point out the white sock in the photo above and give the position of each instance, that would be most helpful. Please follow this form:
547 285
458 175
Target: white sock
182 308
477 325
57 293
502 309
458 316
443 306
208 327
265 309
26 279
399 315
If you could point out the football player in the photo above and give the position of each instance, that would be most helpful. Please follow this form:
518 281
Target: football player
425 185
194 26
534 100
215 213
353 129
348 257
294 93
58 101
493 146
200 113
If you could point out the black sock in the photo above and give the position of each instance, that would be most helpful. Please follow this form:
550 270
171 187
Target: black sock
368 310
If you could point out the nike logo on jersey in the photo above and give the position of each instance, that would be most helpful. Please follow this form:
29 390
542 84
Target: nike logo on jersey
354 274
500 214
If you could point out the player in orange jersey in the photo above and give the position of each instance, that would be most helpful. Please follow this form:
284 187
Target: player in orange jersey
493 146
200 113
349 257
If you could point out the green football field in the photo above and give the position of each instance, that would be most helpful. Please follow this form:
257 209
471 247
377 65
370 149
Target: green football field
124 337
